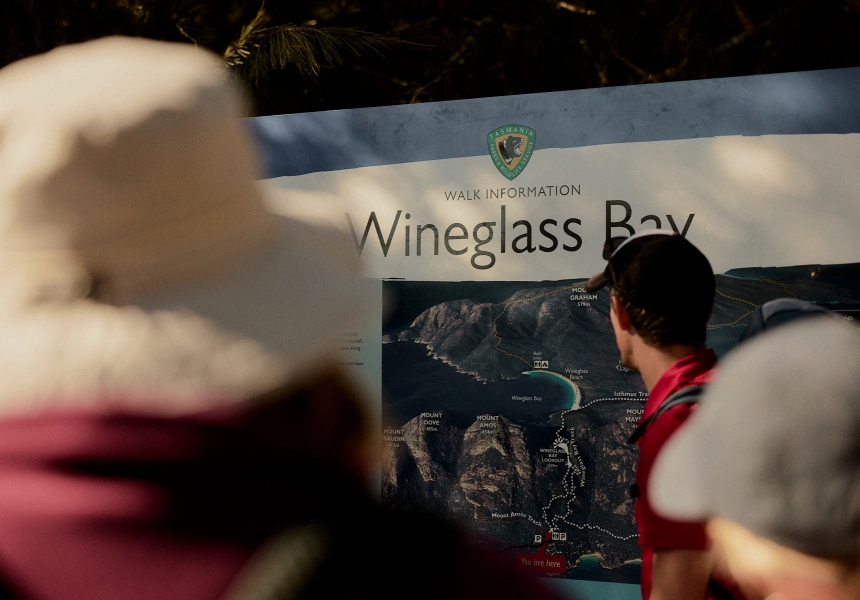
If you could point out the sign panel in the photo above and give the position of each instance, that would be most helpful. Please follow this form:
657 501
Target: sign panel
504 403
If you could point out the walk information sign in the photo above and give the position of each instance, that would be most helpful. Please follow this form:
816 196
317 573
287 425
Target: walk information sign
503 402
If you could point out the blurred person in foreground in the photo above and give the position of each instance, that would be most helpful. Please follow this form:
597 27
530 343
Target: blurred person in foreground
772 458
661 294
174 423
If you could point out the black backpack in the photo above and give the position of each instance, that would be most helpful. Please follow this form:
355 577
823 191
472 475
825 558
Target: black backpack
687 395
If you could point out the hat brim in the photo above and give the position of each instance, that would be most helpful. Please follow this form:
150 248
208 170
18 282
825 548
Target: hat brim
596 282
297 298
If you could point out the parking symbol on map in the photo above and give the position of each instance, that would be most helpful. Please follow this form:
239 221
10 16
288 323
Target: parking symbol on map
538 539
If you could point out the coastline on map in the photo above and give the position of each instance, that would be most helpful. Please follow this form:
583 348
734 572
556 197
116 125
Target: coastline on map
589 567
588 558
570 387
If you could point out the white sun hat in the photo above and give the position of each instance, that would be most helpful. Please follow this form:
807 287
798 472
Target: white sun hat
128 182
775 444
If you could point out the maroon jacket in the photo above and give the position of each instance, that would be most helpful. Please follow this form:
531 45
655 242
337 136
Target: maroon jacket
98 506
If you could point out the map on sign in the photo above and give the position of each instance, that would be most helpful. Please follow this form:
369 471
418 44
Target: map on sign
507 407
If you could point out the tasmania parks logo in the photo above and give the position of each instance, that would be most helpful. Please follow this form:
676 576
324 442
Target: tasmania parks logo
511 148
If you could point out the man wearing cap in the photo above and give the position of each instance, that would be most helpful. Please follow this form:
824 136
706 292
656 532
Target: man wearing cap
661 291
772 460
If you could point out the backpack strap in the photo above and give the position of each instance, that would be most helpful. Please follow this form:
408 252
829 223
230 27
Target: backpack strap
687 395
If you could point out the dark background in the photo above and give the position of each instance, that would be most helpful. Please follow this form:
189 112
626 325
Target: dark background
432 50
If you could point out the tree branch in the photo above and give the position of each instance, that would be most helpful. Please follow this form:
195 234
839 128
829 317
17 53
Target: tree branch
575 8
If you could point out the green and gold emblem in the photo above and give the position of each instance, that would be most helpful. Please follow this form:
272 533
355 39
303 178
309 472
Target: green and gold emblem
511 147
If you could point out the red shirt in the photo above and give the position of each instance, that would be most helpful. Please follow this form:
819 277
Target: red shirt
656 532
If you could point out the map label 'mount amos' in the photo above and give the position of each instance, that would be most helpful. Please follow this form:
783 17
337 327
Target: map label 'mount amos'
511 148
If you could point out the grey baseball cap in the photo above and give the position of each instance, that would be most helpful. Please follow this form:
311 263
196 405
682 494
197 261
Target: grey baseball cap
775 444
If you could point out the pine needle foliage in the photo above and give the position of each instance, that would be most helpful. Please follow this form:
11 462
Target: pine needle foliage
285 51
260 49
309 48
248 41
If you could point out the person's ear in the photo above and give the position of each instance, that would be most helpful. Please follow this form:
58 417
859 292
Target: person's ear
621 314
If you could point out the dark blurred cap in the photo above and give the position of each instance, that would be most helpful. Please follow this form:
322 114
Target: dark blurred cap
775 442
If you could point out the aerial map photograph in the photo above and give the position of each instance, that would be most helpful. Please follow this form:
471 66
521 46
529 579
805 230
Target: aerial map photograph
507 407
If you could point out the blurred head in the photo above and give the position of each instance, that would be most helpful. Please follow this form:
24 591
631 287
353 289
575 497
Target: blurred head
136 246
773 453
665 284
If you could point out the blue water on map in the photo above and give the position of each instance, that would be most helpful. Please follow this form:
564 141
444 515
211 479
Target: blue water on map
556 378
